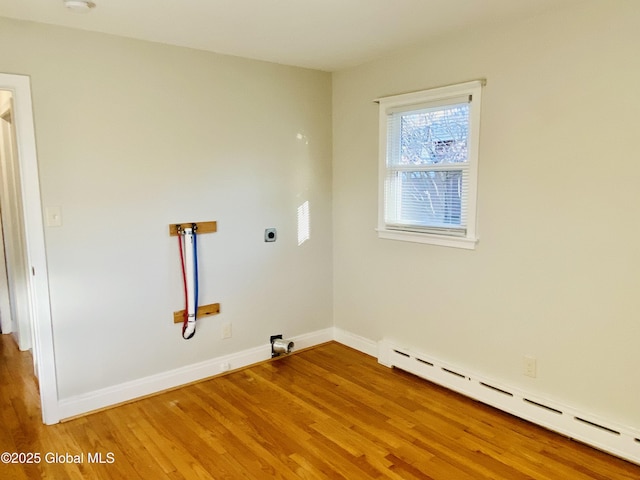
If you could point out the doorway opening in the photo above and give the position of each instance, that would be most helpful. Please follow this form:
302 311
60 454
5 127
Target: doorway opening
14 279
24 307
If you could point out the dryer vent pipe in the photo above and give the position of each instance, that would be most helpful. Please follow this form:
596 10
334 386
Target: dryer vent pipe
280 346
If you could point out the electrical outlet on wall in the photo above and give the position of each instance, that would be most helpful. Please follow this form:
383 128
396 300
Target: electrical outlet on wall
226 330
529 366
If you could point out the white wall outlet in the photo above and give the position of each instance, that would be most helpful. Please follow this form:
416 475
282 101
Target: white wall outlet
529 366
226 330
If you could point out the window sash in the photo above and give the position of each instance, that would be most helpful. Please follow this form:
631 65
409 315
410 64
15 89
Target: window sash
427 199
422 187
445 132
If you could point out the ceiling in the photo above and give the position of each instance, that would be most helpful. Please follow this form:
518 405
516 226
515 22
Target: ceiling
320 34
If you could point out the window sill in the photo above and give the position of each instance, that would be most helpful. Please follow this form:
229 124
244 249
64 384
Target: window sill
429 238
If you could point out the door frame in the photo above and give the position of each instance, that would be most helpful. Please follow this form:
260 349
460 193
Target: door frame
16 264
6 310
38 285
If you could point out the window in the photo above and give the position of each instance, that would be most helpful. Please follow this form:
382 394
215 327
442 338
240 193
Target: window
429 165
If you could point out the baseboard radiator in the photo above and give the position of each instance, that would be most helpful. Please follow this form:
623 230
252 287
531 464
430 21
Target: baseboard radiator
617 440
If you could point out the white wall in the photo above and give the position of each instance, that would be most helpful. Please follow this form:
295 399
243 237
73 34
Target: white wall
555 274
133 136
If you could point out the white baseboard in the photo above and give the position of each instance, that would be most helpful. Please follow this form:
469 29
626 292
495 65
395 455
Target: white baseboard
124 392
619 440
312 339
356 342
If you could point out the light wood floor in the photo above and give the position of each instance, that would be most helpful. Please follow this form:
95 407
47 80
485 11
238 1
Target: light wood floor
325 413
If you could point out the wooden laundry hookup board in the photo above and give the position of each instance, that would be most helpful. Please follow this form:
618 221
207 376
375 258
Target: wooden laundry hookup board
201 227
203 311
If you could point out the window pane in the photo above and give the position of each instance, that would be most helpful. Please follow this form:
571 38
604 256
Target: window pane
434 136
428 198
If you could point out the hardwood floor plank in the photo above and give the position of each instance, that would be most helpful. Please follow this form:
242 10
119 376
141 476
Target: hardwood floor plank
325 413
256 448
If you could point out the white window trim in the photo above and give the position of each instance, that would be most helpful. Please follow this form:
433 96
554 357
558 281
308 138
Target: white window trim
473 88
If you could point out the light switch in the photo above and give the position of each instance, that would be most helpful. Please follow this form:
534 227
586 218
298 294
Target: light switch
54 216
